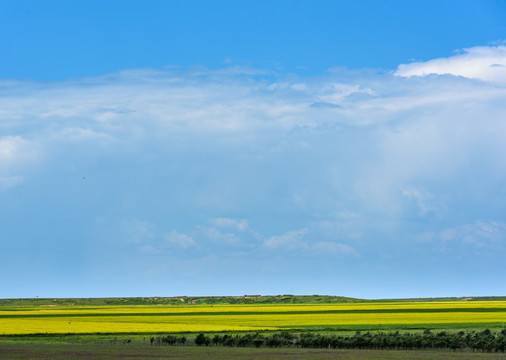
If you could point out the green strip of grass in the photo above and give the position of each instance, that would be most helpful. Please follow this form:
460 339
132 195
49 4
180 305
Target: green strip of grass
249 313
395 327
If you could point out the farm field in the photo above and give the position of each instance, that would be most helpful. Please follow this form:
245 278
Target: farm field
153 319
99 352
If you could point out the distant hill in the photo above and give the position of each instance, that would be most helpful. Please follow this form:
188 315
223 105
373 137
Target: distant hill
215 300
182 300
462 298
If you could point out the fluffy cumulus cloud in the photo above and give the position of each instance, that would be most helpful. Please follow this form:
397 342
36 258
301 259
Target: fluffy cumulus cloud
255 168
483 62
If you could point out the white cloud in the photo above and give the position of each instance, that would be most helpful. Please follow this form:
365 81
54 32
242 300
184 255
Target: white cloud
332 247
346 215
8 147
289 240
139 230
217 236
294 241
299 87
149 249
7 182
13 150
240 225
138 103
74 134
336 93
423 200
176 239
16 155
340 228
481 62
479 234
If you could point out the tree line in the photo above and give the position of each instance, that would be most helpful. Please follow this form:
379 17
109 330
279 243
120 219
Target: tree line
485 341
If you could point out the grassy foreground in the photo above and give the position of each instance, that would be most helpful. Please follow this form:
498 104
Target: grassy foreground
96 351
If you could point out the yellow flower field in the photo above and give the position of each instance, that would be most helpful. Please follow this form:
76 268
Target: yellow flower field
197 318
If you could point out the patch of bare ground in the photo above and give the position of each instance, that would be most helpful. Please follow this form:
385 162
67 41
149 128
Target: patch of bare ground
25 350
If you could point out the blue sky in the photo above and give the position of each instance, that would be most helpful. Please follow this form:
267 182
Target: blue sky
228 148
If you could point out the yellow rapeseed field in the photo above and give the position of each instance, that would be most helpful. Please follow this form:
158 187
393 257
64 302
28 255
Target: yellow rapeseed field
197 318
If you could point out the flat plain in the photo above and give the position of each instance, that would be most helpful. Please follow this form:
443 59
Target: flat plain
119 328
151 319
